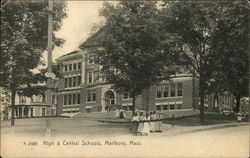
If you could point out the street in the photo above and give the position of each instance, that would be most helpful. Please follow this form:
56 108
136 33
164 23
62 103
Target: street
75 136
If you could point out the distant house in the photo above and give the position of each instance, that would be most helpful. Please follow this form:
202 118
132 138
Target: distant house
26 107
4 103
34 106
84 88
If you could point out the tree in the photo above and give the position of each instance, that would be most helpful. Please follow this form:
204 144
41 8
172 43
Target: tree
132 58
191 25
32 88
209 37
230 47
23 40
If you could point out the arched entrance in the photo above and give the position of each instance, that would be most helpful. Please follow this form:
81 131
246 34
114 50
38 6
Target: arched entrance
109 100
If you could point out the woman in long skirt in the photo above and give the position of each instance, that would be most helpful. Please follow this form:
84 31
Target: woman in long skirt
159 123
146 126
117 115
153 123
140 127
135 121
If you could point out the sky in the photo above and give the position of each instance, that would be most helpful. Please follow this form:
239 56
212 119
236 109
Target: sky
76 28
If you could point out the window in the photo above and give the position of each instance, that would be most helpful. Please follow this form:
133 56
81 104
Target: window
93 95
130 108
74 99
96 76
70 99
70 67
43 98
74 66
22 99
158 107
179 92
65 68
53 99
79 79
165 91
158 93
88 96
70 82
165 107
65 99
74 81
79 66
172 90
66 82
89 77
78 99
172 107
179 106
125 95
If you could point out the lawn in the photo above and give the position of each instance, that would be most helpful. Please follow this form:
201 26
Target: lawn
210 119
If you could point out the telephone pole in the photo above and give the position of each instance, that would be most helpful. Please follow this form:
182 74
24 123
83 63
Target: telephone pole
50 28
49 68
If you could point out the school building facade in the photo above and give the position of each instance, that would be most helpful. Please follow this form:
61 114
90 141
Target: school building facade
83 87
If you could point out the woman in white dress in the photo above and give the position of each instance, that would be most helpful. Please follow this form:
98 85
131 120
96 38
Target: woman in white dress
153 122
159 122
140 126
146 126
117 115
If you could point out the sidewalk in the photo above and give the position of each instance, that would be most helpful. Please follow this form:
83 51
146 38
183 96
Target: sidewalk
169 130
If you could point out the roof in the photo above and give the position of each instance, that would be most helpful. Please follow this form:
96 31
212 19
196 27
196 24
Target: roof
69 54
65 55
95 40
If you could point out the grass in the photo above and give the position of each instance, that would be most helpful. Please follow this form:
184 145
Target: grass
210 119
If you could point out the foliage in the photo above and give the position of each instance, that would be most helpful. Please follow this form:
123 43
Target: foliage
198 30
24 36
230 47
132 58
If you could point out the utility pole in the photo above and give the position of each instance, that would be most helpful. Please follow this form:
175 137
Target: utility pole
50 28
49 68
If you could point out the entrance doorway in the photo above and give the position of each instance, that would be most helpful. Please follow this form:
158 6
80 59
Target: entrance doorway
109 98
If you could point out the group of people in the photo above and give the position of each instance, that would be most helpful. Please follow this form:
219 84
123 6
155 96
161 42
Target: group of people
241 116
120 114
145 123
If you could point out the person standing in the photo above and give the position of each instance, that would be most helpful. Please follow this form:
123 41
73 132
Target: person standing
146 126
153 122
117 114
140 126
159 122
135 123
